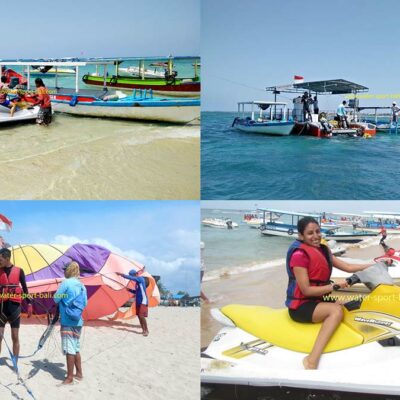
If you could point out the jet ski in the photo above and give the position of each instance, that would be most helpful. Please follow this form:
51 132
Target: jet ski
262 347
23 114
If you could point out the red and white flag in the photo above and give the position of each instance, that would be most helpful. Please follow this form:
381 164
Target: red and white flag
5 223
298 79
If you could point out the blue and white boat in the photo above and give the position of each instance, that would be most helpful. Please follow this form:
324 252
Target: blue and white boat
271 227
267 117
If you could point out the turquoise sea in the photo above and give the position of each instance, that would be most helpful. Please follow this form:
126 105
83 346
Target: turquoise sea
184 68
240 248
242 166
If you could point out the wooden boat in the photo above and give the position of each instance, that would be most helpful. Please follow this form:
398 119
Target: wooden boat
179 87
141 105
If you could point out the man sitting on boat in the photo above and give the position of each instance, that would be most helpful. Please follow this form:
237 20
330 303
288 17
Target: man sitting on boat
341 115
326 126
4 100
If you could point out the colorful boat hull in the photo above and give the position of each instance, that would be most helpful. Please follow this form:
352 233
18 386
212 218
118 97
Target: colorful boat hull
179 88
129 107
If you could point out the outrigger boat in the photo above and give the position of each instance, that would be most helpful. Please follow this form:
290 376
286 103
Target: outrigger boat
271 119
49 71
320 125
260 347
169 85
140 105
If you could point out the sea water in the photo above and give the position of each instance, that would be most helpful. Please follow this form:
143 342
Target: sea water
238 165
79 157
245 249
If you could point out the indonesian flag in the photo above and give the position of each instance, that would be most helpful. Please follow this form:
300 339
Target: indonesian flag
298 79
5 223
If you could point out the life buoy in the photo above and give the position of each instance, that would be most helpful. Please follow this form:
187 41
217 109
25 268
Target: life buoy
290 232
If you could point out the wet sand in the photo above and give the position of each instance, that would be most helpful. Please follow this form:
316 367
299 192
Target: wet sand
91 158
266 287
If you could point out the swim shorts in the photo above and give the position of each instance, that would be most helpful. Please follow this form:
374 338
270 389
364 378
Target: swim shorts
70 339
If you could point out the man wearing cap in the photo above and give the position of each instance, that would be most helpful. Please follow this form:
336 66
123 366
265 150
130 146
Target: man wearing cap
13 290
395 111
142 302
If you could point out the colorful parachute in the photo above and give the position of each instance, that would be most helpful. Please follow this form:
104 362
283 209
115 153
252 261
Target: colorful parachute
43 266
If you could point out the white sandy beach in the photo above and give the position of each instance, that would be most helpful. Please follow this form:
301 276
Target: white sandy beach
117 361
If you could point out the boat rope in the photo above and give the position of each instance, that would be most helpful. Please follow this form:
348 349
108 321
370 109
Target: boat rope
14 360
239 83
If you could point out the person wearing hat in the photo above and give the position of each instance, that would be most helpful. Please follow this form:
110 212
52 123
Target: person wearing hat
395 111
71 297
13 290
142 302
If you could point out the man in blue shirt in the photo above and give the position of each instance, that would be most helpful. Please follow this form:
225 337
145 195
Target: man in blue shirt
71 294
142 303
341 114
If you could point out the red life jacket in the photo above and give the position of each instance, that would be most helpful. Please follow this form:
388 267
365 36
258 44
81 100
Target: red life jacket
10 293
319 273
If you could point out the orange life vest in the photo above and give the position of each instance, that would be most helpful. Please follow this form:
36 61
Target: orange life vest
10 293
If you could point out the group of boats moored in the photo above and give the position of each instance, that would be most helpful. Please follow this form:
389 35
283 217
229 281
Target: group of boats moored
274 117
340 227
128 95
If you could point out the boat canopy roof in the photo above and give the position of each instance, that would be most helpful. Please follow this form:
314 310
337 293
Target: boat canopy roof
383 214
332 86
270 103
274 211
77 62
346 214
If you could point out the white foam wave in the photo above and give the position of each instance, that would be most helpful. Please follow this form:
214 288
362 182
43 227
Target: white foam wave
243 269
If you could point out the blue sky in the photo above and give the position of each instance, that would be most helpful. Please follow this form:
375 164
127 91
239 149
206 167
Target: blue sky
163 235
343 206
248 45
101 28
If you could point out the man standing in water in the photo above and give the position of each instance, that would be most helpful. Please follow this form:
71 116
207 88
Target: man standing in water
12 289
43 99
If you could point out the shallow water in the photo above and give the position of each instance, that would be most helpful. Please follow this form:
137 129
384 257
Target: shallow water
237 165
93 158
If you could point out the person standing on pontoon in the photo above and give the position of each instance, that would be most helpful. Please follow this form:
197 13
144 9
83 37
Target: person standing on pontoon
341 115
315 105
395 113
307 101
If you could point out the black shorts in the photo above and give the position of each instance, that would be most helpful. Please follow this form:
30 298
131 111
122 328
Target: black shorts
304 313
10 312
